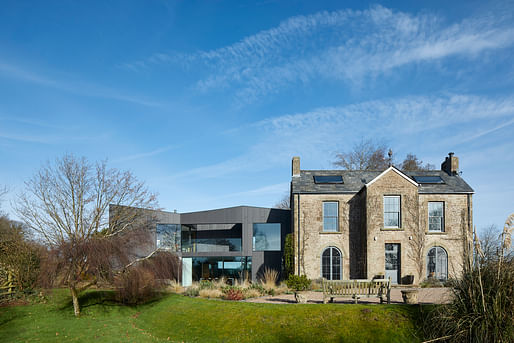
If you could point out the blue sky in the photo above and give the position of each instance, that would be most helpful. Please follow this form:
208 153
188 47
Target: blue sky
208 101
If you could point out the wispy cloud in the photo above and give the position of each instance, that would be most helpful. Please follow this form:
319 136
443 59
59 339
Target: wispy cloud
144 154
343 45
79 88
317 134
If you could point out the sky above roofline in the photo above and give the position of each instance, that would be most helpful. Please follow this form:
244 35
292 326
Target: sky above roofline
208 101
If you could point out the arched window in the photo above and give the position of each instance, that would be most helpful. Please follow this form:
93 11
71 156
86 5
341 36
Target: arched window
331 266
437 263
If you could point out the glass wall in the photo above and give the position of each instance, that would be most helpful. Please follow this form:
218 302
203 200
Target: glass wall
212 237
266 237
212 268
168 237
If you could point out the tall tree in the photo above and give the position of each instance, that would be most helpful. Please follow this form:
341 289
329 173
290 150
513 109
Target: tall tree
67 204
366 155
412 163
284 203
371 155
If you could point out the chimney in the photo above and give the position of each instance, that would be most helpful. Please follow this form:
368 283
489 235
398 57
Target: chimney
296 166
450 164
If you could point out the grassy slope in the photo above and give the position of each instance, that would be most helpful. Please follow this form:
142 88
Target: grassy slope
179 318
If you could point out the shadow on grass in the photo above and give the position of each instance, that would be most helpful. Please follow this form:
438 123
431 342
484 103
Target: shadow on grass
104 300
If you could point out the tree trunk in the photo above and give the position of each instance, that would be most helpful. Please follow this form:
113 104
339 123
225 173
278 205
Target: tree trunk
75 298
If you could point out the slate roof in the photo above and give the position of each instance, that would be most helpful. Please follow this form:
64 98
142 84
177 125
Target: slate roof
355 180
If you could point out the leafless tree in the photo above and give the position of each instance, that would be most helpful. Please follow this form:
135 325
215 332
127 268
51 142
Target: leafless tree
366 155
67 203
412 163
284 203
371 155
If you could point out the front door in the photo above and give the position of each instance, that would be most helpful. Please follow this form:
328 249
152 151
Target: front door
392 262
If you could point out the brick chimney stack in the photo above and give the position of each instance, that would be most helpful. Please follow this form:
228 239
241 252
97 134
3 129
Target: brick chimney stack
450 164
296 167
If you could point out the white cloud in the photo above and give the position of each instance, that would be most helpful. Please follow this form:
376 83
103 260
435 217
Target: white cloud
79 88
144 154
317 134
344 45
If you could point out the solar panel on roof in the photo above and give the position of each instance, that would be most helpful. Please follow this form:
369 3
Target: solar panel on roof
428 179
328 179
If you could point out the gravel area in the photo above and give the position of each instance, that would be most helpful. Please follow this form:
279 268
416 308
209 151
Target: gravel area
425 296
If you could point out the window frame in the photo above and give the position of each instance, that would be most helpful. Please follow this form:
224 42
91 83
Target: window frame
437 249
330 263
336 216
399 197
442 219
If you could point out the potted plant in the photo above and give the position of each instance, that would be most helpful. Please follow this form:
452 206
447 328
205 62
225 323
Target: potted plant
298 283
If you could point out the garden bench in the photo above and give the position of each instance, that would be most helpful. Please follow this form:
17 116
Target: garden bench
356 289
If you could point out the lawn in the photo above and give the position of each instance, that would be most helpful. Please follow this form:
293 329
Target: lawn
177 318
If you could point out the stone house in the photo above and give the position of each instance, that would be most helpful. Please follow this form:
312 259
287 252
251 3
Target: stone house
363 224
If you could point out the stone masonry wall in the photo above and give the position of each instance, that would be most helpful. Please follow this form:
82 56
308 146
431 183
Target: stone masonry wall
313 241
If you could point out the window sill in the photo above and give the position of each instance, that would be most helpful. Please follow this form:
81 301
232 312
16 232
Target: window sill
392 229
330 233
436 233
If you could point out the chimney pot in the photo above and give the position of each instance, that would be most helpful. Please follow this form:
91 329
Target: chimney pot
450 164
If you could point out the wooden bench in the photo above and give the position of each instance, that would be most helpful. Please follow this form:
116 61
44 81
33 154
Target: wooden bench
356 289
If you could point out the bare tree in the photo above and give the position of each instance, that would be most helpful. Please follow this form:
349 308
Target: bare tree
371 155
412 163
67 203
284 203
366 155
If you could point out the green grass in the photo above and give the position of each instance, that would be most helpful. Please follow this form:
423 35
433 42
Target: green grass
177 318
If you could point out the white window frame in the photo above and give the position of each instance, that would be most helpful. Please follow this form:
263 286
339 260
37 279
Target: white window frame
399 211
441 218
336 216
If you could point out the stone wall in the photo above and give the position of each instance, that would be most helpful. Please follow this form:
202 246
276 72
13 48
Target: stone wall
313 241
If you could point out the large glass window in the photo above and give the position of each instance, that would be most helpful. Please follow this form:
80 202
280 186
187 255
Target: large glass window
211 237
212 268
437 263
330 216
266 237
331 267
392 211
436 216
168 237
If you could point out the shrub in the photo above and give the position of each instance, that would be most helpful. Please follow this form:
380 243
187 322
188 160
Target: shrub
259 288
192 291
298 282
233 293
482 309
205 284
135 286
175 287
431 282
269 278
210 293
252 293
288 255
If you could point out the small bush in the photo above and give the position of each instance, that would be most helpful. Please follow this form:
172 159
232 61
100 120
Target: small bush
175 287
135 286
233 293
252 293
192 291
205 284
259 288
210 293
269 278
431 283
298 282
